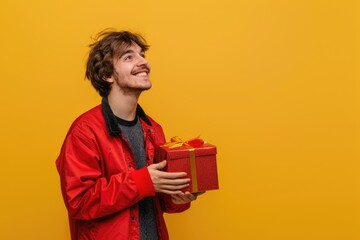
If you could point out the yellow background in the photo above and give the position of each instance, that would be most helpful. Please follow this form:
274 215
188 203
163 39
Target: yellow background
274 84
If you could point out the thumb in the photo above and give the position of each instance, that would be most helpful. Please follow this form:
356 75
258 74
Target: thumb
160 165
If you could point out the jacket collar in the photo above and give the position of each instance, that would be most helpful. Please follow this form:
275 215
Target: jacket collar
110 120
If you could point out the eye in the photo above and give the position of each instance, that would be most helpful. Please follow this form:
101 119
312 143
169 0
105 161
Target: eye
142 54
128 57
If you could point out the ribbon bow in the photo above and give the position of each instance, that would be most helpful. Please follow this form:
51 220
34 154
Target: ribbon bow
177 142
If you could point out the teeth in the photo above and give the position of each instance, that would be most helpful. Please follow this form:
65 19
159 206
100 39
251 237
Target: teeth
141 74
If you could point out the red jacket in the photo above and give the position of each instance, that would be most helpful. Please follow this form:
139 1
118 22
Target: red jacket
99 180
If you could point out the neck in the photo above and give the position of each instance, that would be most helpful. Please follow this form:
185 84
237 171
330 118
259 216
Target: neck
123 105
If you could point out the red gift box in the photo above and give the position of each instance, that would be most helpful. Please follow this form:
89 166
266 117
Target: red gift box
199 162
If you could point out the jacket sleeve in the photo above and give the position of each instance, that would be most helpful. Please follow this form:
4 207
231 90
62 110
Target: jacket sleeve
86 192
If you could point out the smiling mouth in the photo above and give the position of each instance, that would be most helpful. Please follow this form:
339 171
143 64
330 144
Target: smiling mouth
142 72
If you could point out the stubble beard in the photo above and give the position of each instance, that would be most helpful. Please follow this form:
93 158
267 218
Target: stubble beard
128 89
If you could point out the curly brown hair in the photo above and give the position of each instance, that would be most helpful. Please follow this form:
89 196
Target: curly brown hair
108 45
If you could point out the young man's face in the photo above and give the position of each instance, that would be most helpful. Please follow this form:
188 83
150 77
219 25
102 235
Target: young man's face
131 70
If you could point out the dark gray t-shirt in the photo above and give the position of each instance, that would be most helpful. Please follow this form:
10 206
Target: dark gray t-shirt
132 131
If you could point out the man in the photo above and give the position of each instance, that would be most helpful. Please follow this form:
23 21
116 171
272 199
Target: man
110 184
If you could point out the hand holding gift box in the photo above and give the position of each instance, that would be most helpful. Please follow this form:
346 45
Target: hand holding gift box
196 158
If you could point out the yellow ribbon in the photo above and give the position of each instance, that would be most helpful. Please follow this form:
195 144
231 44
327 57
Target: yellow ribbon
177 142
194 183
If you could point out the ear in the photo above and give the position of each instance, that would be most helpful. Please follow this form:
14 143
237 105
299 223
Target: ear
109 79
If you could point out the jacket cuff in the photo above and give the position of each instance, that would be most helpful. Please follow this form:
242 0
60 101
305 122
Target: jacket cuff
143 182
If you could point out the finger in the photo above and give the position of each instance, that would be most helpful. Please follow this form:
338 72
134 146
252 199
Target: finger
177 199
199 193
189 196
172 175
169 192
183 198
174 182
172 187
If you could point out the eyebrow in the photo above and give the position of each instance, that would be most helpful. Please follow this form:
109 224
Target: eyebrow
126 52
129 51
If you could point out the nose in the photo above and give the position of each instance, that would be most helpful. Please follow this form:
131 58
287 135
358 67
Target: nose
142 61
